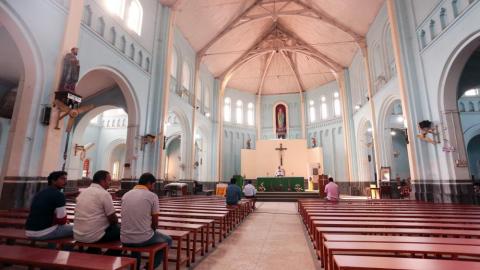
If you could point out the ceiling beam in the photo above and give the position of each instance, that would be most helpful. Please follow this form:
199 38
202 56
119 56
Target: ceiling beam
334 65
248 52
294 70
327 18
305 11
268 61
226 29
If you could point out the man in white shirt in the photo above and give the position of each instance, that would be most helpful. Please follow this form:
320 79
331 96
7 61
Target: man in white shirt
140 210
250 191
280 172
95 218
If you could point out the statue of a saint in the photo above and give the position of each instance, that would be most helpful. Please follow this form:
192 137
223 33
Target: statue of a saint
280 118
70 72
249 143
314 142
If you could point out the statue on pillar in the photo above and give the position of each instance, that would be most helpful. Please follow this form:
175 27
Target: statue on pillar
314 142
249 144
70 71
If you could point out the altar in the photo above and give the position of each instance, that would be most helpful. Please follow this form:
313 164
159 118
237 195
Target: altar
280 184
297 160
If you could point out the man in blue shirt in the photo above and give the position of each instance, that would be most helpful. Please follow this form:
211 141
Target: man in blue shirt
234 193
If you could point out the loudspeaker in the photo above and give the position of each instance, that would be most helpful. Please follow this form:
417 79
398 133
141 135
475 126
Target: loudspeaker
45 118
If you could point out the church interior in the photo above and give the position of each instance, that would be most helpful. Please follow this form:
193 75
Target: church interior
348 129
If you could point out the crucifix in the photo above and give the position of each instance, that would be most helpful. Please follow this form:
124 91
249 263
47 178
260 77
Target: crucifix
280 150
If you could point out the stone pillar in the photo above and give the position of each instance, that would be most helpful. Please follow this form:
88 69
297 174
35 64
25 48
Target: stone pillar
378 164
258 116
221 94
302 113
194 116
17 188
346 124
160 172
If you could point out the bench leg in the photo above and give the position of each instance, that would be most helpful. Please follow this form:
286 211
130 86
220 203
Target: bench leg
165 258
151 260
179 252
202 242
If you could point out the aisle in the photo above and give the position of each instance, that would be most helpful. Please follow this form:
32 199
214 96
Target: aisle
273 237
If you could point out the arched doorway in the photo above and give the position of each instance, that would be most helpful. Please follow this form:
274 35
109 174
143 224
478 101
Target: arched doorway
113 120
395 140
459 80
21 87
177 134
366 154
202 155
100 136
473 151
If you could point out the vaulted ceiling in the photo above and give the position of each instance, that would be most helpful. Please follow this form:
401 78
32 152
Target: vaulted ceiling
275 46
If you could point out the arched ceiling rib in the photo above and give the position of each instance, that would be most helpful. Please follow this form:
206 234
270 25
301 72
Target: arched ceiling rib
273 46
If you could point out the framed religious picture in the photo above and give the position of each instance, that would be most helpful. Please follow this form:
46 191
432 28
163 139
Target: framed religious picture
281 121
385 173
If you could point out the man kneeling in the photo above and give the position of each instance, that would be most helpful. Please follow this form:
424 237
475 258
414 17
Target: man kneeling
140 210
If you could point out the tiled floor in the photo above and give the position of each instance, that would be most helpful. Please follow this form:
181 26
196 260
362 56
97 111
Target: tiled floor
273 237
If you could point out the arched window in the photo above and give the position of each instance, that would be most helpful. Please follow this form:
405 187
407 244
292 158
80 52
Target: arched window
324 108
100 26
250 114
113 36
336 104
135 15
311 111
443 18
132 51
116 7
174 67
239 112
123 44
433 29
455 8
227 110
186 76
423 38
147 64
87 15
140 58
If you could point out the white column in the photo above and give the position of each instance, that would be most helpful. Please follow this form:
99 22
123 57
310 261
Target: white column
406 108
372 108
302 112
221 95
194 116
166 93
345 122
258 116
53 137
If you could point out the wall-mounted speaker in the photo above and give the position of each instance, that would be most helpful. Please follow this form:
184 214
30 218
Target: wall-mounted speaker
45 118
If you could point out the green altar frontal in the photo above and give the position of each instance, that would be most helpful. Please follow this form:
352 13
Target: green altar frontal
280 184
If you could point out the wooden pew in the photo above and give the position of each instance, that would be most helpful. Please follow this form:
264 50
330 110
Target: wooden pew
347 262
349 248
55 259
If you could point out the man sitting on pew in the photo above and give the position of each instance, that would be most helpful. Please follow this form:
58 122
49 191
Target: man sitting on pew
95 218
48 216
140 210
331 190
234 193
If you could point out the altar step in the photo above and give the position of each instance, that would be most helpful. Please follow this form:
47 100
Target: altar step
285 196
